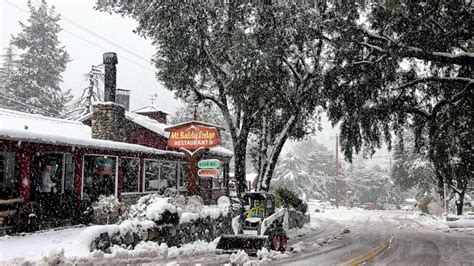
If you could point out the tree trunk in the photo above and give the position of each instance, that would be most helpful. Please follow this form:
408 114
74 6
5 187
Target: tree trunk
276 150
262 162
460 204
240 154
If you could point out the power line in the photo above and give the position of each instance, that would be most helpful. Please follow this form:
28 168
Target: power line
25 100
86 40
72 22
105 49
28 105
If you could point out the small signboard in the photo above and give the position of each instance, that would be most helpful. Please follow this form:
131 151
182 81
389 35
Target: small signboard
193 137
209 164
209 172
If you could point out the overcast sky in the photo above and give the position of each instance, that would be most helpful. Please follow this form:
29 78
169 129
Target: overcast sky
134 72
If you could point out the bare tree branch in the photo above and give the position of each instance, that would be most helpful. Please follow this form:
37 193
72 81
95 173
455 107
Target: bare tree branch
290 66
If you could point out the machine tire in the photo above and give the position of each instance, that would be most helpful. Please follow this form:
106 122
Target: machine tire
283 242
276 242
272 235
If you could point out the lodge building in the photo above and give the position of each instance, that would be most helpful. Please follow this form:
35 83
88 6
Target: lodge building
110 151
86 166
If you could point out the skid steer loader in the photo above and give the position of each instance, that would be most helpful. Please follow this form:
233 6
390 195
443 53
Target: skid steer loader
258 226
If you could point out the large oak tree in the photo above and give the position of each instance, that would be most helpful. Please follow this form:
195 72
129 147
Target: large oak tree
262 64
409 66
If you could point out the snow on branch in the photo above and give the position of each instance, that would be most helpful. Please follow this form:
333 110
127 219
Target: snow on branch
460 58
464 58
435 79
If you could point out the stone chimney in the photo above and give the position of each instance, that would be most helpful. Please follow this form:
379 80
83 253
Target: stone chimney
108 118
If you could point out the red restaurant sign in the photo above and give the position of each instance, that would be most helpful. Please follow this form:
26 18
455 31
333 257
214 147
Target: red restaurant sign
193 137
208 172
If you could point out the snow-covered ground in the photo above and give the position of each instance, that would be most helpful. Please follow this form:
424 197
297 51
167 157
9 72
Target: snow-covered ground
357 215
36 245
70 245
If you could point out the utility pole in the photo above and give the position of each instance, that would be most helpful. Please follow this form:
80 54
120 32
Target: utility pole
444 198
390 167
337 171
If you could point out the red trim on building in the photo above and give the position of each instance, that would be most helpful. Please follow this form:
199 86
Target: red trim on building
78 158
25 173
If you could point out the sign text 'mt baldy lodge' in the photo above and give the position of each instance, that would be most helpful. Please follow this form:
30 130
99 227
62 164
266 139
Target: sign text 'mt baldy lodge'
193 137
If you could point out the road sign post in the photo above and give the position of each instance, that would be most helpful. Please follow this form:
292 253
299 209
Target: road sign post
193 138
209 164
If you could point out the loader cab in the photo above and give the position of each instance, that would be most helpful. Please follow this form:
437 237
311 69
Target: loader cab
264 201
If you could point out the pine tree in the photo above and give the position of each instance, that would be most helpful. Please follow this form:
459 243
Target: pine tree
6 71
36 81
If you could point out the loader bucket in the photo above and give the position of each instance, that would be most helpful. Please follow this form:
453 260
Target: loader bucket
248 243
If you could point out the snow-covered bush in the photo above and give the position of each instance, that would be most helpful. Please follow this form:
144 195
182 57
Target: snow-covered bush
423 204
156 208
290 199
170 192
435 207
193 204
107 210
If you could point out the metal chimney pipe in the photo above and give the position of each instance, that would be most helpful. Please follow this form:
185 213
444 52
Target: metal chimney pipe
110 82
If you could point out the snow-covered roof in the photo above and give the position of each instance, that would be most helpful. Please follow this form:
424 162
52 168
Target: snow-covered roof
193 122
16 125
221 151
142 120
159 128
148 123
149 109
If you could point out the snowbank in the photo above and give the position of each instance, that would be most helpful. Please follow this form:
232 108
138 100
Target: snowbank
145 252
460 221
158 207
36 245
153 206
305 230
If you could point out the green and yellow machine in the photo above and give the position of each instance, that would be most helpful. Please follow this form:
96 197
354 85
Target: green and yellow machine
258 226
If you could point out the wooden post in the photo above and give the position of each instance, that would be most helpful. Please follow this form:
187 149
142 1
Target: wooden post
119 178
141 174
25 174
78 159
191 158
337 171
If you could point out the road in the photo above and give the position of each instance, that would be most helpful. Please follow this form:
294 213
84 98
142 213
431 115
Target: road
411 243
374 238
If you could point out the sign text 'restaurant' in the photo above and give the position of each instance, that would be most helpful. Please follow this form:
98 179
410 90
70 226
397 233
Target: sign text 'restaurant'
193 137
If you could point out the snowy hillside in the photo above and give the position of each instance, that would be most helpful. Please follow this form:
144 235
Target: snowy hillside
291 173
311 172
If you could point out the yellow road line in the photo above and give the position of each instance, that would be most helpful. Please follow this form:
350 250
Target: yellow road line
371 254
374 252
